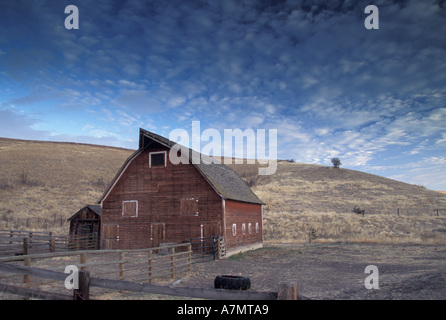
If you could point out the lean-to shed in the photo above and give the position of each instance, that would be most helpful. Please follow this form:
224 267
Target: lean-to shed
87 221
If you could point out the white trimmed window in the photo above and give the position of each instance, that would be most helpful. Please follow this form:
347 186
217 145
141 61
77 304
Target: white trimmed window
157 159
234 229
257 227
130 209
250 228
243 228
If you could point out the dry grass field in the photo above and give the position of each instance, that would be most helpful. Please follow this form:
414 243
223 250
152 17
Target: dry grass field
44 183
307 202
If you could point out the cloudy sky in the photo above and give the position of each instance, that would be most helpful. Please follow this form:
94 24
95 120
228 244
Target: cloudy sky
310 69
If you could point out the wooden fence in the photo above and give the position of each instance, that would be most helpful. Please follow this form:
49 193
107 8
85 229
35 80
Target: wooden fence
12 222
135 265
286 290
42 276
18 242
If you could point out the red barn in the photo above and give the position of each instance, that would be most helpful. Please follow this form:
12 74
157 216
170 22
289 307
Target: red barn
151 201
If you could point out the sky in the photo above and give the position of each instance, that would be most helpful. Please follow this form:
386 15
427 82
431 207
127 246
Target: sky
375 98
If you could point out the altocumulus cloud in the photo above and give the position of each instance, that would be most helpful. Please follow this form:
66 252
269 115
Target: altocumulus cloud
374 98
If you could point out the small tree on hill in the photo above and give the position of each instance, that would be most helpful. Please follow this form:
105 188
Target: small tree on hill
336 162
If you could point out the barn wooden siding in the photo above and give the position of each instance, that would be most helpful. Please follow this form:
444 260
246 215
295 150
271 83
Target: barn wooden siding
151 201
166 198
247 218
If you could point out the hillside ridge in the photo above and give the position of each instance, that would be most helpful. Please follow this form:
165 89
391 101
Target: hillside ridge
42 181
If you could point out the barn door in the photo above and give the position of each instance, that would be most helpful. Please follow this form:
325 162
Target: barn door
111 236
158 234
210 229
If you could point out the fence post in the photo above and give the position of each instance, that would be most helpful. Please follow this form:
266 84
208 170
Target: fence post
83 261
172 263
26 277
287 290
190 256
121 266
25 246
150 266
83 293
215 247
52 242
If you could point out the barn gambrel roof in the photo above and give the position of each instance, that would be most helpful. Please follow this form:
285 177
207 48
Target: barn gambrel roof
225 181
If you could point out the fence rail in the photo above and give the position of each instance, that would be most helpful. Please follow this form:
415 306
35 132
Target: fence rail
286 290
19 242
141 265
11 222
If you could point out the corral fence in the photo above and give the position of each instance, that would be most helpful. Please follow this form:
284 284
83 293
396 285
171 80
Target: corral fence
129 270
9 221
208 248
141 265
19 242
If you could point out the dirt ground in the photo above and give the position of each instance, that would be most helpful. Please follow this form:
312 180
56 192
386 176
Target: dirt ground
322 271
336 271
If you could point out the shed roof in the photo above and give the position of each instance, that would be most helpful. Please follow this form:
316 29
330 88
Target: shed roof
93 207
225 181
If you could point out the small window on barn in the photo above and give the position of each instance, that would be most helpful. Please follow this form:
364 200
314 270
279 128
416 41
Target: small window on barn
189 207
249 228
130 209
243 228
257 227
157 159
234 229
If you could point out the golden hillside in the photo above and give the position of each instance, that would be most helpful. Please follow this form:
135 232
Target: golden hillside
44 183
52 181
313 201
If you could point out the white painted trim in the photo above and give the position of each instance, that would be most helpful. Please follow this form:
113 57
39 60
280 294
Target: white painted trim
224 216
157 152
135 216
120 175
